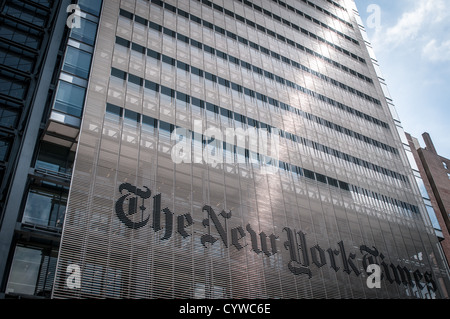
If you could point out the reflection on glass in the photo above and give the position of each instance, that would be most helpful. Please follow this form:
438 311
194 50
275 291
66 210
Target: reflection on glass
32 271
69 98
85 33
45 207
433 217
24 271
90 6
422 188
55 158
77 62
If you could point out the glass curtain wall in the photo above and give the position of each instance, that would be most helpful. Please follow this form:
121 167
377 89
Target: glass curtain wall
44 203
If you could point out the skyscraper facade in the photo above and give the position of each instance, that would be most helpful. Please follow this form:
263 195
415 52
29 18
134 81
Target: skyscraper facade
232 149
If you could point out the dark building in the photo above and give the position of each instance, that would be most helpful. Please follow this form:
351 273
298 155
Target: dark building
38 144
435 172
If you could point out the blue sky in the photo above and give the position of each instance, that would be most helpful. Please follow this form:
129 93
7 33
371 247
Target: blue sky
412 44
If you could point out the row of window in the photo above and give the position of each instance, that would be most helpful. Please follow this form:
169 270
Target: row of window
249 66
288 23
330 1
254 123
315 6
270 32
253 94
261 28
323 98
17 58
77 61
299 171
26 12
21 29
44 205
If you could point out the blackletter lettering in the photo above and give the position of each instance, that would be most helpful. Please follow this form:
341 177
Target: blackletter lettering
429 279
348 261
219 227
293 247
253 239
314 250
235 232
169 224
157 217
331 253
405 275
157 213
273 242
130 210
395 273
182 226
386 270
303 248
418 276
368 260
132 205
263 238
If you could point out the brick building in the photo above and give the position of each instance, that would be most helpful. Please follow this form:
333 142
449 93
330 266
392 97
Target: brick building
435 172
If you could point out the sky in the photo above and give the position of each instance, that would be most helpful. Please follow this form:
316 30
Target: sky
411 40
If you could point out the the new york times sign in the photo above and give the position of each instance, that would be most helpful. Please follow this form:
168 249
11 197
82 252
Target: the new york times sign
131 209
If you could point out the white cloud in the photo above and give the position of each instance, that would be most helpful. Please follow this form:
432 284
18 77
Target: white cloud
426 20
436 51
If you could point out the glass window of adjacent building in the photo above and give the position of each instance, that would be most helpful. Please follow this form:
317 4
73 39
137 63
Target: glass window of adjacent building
26 12
45 207
55 158
20 33
90 6
77 62
69 98
85 33
5 146
422 188
9 114
32 271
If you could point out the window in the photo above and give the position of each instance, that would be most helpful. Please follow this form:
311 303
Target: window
69 98
5 146
90 6
421 186
149 124
13 85
32 271
16 58
9 114
26 13
132 118
55 158
85 33
77 62
45 207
